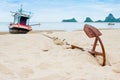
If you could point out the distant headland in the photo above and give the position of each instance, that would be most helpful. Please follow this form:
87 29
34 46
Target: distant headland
109 18
69 20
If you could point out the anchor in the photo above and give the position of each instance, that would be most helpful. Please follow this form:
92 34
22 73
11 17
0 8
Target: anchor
93 32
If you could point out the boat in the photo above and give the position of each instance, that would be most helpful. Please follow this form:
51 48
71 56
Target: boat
110 23
21 22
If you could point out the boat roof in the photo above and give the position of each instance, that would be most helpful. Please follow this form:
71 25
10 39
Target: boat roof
23 13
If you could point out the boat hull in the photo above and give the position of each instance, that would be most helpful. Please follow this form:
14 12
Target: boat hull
17 28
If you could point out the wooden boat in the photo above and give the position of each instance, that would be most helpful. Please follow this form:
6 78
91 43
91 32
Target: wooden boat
111 23
21 22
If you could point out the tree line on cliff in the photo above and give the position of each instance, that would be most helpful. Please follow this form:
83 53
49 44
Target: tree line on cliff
109 18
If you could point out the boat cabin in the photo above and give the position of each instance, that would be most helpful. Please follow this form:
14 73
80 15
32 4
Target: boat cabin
21 18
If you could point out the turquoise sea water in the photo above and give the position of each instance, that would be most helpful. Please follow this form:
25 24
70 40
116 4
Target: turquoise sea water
61 26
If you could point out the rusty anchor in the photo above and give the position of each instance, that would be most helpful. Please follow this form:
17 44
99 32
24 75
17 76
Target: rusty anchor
92 32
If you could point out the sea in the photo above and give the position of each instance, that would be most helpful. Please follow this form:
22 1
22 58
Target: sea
66 26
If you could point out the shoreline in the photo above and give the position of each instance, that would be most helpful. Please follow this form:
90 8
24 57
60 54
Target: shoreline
50 31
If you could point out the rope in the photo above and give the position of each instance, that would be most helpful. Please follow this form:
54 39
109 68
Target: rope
58 41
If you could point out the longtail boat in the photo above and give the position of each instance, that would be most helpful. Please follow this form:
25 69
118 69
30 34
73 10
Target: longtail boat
21 22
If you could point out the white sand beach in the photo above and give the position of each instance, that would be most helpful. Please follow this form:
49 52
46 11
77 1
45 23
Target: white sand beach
34 56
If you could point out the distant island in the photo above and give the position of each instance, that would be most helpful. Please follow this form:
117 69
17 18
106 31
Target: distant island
88 19
69 20
109 18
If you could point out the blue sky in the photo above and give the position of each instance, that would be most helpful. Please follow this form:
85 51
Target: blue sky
56 10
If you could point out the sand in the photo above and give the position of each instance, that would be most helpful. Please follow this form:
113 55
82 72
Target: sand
34 56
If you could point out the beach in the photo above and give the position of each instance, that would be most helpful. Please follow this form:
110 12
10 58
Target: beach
35 56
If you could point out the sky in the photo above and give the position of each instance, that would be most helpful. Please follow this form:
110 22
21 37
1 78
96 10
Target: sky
57 10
